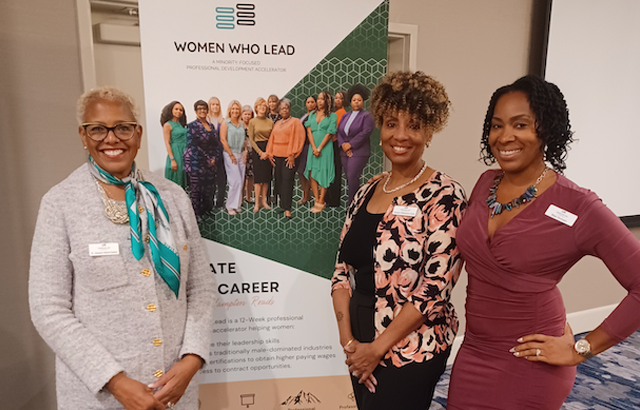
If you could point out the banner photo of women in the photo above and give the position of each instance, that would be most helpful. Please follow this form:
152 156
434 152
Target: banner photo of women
260 112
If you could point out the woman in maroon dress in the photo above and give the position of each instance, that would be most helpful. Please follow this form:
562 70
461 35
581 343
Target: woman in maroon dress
525 227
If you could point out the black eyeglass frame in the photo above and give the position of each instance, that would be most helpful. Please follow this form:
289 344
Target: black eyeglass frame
112 129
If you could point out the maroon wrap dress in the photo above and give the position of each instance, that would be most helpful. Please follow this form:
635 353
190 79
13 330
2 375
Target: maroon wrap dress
512 293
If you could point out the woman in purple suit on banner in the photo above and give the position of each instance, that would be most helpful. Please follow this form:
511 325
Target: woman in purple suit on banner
354 132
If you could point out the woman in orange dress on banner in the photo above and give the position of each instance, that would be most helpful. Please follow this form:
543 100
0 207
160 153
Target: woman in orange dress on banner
284 146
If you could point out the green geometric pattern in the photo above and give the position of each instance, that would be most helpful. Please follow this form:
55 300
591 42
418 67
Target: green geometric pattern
309 241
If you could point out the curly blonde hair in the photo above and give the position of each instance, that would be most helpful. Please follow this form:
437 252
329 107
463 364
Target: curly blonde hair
415 93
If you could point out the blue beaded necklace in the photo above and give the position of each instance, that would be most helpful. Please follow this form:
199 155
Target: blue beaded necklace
497 207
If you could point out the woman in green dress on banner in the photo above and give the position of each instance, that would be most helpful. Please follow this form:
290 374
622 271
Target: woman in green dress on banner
174 122
321 127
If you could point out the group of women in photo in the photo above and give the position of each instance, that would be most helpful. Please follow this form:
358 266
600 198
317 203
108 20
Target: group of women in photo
249 147
120 290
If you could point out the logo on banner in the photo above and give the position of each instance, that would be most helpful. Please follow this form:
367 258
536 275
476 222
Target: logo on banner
301 398
247 399
242 14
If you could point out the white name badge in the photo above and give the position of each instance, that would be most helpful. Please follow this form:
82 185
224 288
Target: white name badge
561 215
103 249
405 210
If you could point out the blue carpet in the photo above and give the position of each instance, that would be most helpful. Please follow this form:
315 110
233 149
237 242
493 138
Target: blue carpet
609 381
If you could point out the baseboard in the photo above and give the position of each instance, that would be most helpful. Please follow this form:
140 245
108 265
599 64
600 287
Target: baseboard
583 321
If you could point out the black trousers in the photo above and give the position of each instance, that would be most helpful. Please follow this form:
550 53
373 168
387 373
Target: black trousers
284 182
220 183
334 192
409 387
201 194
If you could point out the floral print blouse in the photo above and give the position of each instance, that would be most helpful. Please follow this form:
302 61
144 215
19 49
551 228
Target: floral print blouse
416 260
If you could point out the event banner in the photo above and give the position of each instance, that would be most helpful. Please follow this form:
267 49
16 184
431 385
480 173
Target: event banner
275 343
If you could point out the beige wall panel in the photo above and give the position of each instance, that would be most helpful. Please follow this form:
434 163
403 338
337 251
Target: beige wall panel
39 84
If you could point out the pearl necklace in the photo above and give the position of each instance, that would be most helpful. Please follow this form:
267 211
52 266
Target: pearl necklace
388 191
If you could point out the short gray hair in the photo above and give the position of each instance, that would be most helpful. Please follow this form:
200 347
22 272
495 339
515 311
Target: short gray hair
105 93
285 101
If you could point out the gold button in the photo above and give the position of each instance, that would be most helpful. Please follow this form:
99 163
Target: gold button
146 272
146 239
158 373
151 307
185 247
140 209
157 342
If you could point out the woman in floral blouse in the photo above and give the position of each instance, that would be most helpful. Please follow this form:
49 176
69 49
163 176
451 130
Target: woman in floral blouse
398 261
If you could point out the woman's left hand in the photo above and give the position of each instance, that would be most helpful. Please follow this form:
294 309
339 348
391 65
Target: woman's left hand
212 162
174 382
362 359
291 162
558 351
317 152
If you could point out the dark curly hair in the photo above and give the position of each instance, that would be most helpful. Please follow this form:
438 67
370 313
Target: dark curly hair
552 119
358 89
415 93
167 114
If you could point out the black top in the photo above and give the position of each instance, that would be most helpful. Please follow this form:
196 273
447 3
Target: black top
357 247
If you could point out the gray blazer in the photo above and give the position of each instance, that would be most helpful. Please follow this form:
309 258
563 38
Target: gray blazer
102 315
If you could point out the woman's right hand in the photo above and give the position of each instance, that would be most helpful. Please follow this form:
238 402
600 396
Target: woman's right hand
233 159
316 152
132 394
264 156
174 165
353 349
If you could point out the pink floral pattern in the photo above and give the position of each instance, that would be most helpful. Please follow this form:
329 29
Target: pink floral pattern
416 260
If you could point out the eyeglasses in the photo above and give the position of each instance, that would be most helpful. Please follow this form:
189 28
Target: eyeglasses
123 131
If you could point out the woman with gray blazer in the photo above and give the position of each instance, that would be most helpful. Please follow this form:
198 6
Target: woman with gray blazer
119 286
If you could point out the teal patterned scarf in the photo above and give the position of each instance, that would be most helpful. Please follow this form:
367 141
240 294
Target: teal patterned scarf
166 261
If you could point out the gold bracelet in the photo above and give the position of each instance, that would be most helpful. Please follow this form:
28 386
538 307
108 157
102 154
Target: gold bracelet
349 342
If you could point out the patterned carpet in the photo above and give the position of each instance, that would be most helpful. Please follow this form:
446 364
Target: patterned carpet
610 381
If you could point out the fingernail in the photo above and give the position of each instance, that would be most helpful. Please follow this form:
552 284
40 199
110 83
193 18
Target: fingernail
520 340
513 349
516 354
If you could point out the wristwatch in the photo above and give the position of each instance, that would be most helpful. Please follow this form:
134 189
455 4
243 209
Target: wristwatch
583 348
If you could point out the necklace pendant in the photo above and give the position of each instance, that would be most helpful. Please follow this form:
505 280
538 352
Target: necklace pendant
497 207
